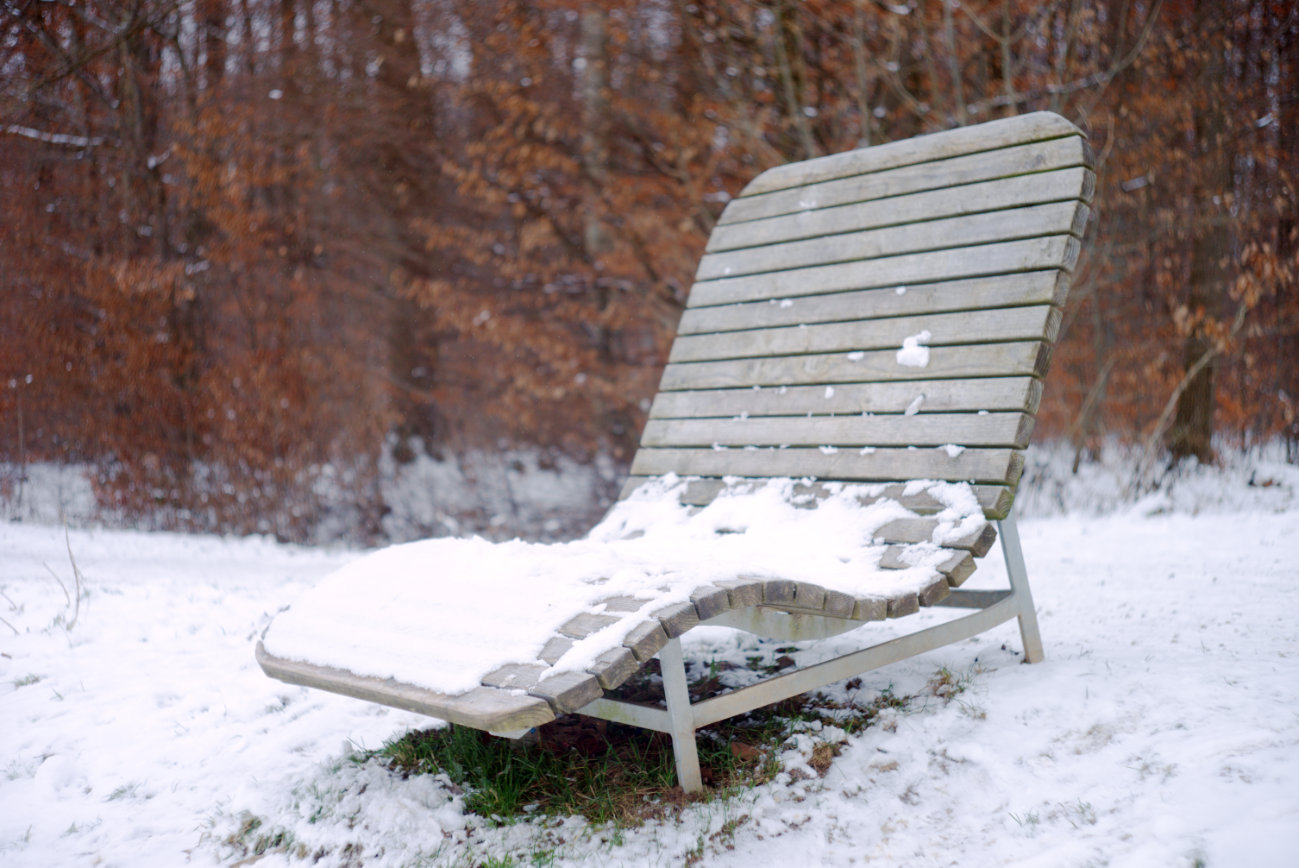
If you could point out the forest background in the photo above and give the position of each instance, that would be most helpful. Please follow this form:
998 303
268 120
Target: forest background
254 254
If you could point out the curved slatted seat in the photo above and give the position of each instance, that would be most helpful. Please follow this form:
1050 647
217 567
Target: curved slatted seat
859 323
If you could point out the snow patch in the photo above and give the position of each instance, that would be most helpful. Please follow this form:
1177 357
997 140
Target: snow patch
914 353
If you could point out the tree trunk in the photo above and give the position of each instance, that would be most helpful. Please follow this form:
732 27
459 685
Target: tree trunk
1191 433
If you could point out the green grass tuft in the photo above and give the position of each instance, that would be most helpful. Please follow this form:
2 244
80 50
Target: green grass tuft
611 773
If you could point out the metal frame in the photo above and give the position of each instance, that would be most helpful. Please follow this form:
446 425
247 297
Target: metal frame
680 718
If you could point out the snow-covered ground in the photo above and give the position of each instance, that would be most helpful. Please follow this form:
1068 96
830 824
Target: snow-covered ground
1163 728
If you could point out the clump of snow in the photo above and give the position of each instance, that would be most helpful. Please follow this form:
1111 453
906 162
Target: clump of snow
829 391
856 356
914 353
952 449
914 407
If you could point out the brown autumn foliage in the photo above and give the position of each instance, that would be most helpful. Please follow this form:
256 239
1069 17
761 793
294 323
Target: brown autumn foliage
249 247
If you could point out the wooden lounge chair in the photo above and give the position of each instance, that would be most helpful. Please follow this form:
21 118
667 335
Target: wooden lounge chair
859 322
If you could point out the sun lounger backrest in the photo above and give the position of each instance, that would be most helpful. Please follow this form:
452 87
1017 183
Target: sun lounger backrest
881 315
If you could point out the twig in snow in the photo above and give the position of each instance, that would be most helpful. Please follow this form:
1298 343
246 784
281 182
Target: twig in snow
76 577
74 603
62 587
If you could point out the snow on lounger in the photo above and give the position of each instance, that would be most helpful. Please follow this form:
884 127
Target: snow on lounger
445 614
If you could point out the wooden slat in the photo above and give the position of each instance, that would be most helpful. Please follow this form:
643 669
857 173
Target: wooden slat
994 499
645 640
677 618
1038 322
515 676
958 566
555 648
1055 218
1054 186
1000 466
1018 358
929 430
584 624
941 396
710 601
1055 251
1036 126
613 667
919 530
743 593
930 175
566 692
481 708
1003 290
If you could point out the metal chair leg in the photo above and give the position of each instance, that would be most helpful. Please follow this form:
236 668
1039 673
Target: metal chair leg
1018 573
681 717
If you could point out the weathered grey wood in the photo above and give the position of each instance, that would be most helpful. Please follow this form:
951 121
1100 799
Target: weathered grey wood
868 607
744 593
958 566
515 676
895 429
1038 322
990 394
914 530
994 499
677 618
646 639
1032 127
920 175
613 667
555 647
710 600
481 708
1002 290
779 592
622 603
934 593
902 605
1053 218
837 604
585 623
1001 466
1032 254
809 596
932 431
566 692
1018 358
1036 189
